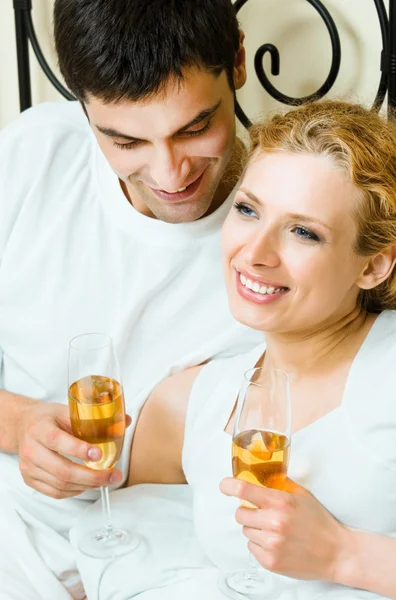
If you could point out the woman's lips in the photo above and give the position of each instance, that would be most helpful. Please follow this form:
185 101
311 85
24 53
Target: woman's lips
180 196
256 296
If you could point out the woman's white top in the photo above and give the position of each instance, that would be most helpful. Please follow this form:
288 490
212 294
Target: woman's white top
347 459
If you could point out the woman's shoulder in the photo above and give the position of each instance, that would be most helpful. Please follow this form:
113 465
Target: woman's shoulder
374 364
384 328
379 349
370 401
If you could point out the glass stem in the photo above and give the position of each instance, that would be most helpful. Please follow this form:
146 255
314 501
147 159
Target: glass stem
254 567
104 492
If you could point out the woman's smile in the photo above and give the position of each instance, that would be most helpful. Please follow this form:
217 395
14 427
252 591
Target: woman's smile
291 234
256 290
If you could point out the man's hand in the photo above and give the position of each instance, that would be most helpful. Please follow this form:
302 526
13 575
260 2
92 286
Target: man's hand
290 533
44 435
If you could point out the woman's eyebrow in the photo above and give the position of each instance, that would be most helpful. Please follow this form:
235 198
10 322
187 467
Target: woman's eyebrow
250 195
293 216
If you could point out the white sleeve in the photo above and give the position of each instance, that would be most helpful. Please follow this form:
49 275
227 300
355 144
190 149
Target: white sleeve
13 189
16 150
28 149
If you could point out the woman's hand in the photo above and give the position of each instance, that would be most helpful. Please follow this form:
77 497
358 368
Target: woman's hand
290 533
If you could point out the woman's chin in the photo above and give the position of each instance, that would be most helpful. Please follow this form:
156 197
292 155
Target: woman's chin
252 321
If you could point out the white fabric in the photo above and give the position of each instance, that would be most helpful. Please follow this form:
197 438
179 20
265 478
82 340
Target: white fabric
75 257
347 459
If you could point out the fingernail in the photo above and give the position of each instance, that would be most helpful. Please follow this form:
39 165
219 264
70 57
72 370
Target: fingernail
115 477
94 453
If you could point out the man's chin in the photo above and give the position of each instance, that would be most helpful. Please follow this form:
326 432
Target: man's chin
180 214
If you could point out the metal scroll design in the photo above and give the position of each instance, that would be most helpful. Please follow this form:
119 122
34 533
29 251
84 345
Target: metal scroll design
25 33
386 61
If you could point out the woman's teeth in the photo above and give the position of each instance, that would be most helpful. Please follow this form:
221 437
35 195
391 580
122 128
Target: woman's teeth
255 287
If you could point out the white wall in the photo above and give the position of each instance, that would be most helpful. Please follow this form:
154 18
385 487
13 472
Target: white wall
292 25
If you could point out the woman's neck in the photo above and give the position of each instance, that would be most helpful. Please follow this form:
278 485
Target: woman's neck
319 350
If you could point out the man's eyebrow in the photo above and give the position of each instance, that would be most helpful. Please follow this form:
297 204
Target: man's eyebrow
115 134
294 216
204 114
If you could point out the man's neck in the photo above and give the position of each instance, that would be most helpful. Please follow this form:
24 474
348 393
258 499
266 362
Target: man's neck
230 177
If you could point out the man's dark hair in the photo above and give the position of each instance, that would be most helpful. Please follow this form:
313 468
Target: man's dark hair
129 49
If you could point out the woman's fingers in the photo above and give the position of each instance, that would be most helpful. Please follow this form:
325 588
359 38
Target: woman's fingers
261 497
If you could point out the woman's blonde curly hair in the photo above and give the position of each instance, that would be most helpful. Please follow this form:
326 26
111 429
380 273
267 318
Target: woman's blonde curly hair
363 144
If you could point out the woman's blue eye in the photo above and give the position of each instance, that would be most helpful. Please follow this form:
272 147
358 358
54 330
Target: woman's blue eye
243 209
306 234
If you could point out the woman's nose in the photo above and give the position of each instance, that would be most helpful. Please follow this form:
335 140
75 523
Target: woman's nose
262 250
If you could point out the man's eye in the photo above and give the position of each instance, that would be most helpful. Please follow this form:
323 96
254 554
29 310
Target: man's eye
199 131
127 145
244 210
306 234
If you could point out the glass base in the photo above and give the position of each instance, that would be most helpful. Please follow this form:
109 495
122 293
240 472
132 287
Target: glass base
250 584
108 542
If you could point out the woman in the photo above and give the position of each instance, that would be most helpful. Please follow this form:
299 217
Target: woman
309 258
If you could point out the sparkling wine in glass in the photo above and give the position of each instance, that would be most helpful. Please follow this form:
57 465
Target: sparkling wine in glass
97 414
260 455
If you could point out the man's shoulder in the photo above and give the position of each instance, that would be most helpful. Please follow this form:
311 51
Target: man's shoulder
51 143
46 121
51 133
69 114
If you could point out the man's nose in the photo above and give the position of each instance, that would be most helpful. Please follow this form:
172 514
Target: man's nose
170 168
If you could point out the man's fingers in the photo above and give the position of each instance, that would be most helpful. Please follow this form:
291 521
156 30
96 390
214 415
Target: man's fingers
38 474
50 491
64 443
128 420
67 471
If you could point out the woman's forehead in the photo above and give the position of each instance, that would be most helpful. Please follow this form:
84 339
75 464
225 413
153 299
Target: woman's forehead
301 182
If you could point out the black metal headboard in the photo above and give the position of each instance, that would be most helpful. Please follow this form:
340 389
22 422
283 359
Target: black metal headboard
25 33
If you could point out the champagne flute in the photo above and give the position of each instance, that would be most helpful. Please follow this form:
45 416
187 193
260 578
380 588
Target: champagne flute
260 454
97 415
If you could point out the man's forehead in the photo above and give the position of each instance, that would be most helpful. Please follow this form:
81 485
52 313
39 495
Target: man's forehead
205 82
158 116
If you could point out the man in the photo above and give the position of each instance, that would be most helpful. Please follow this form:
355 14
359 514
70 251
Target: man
110 222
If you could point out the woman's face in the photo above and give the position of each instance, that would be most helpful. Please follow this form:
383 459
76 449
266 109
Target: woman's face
288 242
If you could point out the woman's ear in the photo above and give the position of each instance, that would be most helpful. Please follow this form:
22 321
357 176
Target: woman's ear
377 269
239 74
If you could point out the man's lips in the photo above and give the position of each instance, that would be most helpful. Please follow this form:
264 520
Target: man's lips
180 196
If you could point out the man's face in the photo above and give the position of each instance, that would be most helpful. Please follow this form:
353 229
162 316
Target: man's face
170 151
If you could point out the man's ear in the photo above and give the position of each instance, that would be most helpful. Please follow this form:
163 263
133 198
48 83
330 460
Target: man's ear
377 269
84 109
239 74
